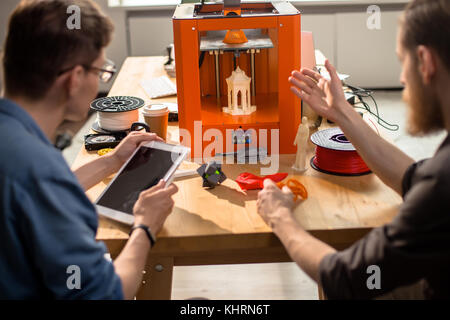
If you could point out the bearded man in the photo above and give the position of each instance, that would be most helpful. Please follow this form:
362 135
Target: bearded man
413 251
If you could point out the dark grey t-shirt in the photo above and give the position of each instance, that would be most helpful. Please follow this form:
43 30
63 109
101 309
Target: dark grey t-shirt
414 246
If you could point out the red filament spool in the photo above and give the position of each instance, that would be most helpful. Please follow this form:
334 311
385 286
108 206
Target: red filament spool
336 155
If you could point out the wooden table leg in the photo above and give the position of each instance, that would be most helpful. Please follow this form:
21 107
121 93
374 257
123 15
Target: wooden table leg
157 279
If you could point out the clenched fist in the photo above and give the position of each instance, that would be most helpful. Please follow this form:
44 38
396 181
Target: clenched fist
274 204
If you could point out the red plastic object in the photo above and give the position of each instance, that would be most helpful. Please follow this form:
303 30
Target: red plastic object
248 181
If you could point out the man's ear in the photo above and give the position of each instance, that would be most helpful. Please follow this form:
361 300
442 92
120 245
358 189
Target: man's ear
427 63
74 80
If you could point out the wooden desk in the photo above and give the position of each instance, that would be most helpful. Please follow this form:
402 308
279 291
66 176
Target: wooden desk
221 226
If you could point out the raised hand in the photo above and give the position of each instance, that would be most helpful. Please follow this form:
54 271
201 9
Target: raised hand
325 97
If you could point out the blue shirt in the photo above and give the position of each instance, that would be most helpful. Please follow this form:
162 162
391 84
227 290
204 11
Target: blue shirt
47 224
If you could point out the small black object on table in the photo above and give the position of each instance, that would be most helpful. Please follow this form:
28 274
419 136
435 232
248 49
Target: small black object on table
212 174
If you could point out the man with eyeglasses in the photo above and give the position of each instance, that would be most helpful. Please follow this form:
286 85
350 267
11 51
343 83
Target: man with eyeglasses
47 224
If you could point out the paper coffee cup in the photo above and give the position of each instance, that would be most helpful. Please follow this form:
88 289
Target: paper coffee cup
157 118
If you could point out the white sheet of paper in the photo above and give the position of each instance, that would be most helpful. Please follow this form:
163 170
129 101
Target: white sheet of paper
324 73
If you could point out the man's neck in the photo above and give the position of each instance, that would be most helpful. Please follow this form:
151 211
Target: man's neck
445 104
47 113
443 94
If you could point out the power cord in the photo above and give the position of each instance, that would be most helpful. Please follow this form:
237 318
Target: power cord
364 93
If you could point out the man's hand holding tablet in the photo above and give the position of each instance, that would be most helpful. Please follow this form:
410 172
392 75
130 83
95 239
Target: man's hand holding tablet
141 194
128 145
139 178
154 206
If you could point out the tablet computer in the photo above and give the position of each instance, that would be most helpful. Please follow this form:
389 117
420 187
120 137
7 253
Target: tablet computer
149 164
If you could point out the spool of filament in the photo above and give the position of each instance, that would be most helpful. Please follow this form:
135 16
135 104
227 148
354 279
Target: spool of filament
116 113
336 155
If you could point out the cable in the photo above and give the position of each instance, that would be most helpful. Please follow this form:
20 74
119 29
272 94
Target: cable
364 93
380 121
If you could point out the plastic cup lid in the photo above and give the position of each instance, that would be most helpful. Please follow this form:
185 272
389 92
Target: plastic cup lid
155 110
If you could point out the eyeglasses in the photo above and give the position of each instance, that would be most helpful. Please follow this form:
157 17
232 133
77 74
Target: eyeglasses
105 73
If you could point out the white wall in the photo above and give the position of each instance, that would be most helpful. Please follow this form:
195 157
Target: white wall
368 56
6 7
116 51
143 31
323 27
340 32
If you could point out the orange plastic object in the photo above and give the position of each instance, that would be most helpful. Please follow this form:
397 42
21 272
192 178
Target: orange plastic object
235 37
296 187
232 11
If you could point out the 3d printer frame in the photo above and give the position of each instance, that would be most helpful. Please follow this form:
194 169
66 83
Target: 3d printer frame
203 62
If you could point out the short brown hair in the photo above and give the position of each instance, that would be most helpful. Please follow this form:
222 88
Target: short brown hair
427 22
39 45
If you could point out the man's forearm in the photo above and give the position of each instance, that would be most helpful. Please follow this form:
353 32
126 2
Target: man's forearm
387 161
303 248
131 262
95 171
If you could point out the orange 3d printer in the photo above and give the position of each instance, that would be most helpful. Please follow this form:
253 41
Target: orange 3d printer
233 61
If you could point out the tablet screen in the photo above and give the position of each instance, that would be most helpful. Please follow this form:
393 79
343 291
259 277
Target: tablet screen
147 167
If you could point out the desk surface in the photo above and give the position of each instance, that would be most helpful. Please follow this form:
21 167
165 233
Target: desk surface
339 210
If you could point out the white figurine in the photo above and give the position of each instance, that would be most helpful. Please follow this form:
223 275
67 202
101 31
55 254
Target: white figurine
301 141
237 83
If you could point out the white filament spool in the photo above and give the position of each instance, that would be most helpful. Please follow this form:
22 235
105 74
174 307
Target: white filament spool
117 121
116 113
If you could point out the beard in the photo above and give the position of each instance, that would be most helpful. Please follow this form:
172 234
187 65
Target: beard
425 111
